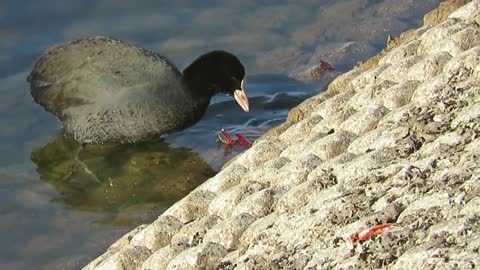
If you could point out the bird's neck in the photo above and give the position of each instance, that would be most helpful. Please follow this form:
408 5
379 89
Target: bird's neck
200 77
197 97
197 87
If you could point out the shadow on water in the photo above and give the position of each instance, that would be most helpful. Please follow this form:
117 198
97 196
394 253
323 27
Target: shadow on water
118 177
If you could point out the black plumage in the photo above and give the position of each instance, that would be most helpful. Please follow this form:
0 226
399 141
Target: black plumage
105 90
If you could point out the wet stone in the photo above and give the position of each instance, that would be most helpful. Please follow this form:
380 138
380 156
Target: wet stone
130 257
400 52
398 72
225 179
267 174
259 153
328 126
329 108
257 229
365 120
429 67
467 13
429 91
377 139
257 205
125 240
331 145
225 202
442 12
398 95
204 256
159 259
228 232
343 82
157 234
460 41
369 77
192 234
299 131
193 206
370 94
463 64
296 172
436 35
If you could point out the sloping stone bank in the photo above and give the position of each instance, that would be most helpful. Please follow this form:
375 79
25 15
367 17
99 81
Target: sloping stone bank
394 141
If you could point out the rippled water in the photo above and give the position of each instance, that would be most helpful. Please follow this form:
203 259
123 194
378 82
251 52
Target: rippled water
62 204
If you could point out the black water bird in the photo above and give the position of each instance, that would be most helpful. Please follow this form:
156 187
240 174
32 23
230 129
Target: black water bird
105 90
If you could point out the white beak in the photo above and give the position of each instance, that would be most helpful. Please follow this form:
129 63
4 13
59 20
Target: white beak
241 97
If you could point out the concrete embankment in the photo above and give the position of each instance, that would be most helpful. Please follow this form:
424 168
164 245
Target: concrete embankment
395 140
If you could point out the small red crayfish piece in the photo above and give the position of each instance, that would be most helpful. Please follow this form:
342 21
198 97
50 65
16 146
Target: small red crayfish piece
317 71
326 66
225 138
243 141
366 234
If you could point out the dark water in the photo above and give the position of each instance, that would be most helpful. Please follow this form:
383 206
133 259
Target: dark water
61 205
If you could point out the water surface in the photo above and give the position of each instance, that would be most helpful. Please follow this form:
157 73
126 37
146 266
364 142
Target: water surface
62 204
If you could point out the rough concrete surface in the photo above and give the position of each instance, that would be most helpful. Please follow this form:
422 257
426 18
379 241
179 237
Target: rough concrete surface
395 142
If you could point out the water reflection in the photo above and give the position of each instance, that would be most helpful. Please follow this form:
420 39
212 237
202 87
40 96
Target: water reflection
119 177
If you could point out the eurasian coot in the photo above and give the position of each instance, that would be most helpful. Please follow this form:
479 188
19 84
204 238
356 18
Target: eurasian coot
105 90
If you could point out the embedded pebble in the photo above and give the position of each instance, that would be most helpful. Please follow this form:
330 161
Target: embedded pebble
191 207
228 232
204 256
157 234
192 234
224 204
130 257
159 259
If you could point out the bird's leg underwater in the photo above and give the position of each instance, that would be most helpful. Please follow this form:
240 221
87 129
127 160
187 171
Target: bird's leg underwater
82 165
